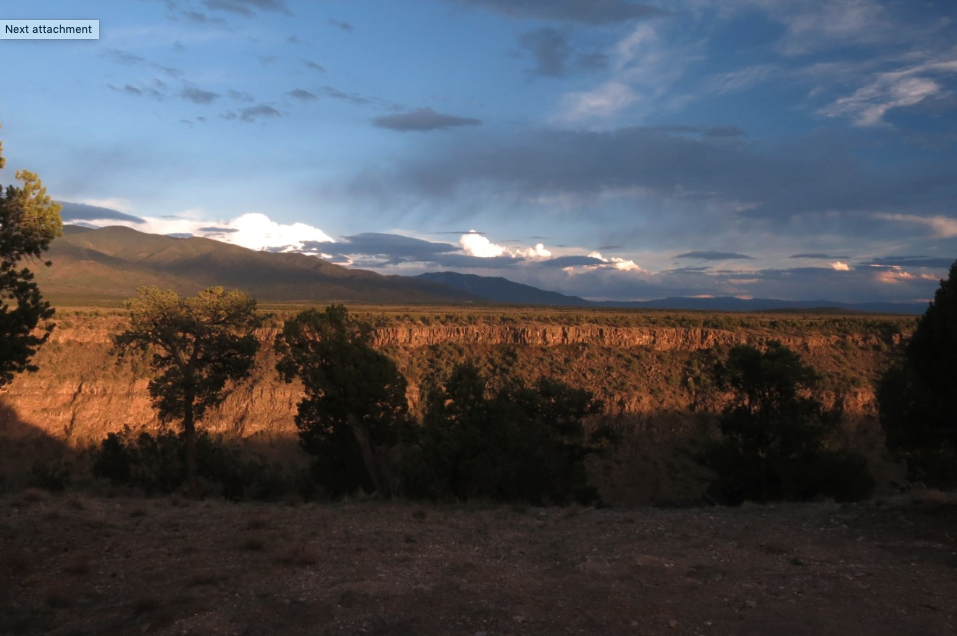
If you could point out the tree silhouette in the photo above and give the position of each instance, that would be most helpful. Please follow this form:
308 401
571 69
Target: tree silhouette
29 220
198 344
776 439
518 443
918 396
355 407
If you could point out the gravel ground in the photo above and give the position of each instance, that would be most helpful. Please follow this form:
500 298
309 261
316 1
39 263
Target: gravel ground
78 565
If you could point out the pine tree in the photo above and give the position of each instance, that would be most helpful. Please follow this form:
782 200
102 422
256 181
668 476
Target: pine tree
198 344
29 220
918 396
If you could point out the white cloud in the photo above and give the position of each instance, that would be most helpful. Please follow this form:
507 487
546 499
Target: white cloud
475 244
254 230
838 266
616 263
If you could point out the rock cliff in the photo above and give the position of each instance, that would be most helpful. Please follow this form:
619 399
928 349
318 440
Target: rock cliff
81 391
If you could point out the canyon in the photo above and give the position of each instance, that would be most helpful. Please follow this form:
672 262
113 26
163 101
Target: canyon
652 372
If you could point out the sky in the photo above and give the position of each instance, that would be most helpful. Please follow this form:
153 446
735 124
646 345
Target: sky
610 149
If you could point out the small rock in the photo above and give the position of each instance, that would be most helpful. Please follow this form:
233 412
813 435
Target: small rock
750 604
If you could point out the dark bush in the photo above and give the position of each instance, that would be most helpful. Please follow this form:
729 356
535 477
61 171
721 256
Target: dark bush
157 464
777 442
520 443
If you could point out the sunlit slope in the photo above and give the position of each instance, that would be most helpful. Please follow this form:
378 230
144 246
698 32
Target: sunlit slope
113 262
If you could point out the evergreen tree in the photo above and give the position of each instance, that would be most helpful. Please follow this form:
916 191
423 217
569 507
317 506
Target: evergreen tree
918 396
198 344
29 220
355 408
776 439
518 443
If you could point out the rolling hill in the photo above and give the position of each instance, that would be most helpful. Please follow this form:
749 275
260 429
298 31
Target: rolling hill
108 265
112 262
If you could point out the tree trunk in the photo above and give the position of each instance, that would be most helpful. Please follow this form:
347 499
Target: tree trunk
189 432
371 458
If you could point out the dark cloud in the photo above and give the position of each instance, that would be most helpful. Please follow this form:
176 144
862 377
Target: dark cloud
198 95
560 262
389 249
582 11
82 212
723 131
816 256
200 18
247 8
686 270
138 91
313 66
131 90
354 98
123 57
255 113
357 99
551 51
914 261
342 26
301 94
218 230
423 120
715 256
553 54
758 183
129 59
239 96
179 235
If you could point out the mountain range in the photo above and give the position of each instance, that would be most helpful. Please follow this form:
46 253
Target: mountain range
110 263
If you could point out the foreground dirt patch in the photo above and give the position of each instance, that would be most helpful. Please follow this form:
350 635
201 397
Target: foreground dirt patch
168 566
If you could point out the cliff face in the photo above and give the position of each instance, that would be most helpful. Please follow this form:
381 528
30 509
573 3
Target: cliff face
82 392
655 383
655 338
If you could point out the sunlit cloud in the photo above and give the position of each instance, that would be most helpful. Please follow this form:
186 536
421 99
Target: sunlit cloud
840 267
254 230
475 244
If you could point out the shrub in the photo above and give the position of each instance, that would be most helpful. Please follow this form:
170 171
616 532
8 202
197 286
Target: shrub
157 464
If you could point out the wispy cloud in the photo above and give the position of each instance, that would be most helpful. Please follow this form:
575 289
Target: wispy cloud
423 120
939 226
581 11
715 256
247 8
883 92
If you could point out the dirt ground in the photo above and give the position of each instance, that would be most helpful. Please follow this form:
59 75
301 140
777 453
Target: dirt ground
83 565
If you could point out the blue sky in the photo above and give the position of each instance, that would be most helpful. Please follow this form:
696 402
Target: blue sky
801 149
